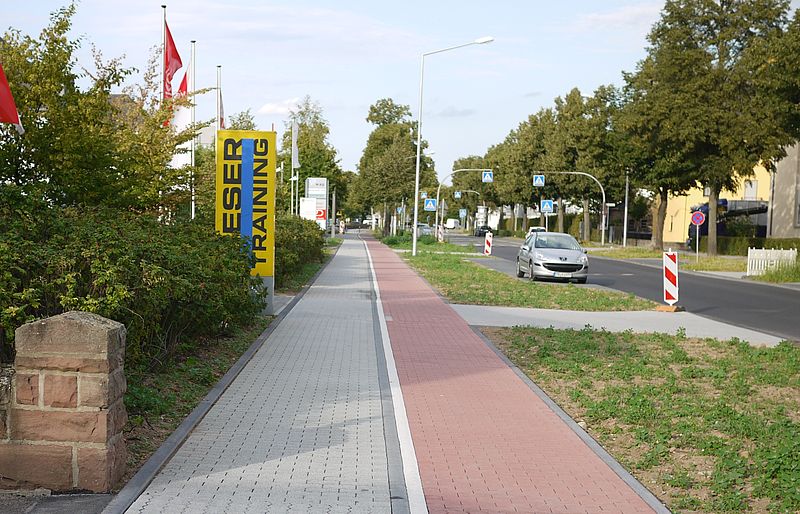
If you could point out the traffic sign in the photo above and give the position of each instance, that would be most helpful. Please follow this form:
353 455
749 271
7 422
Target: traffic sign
488 176
546 206
322 214
430 204
423 194
457 195
399 210
538 181
462 213
670 260
698 218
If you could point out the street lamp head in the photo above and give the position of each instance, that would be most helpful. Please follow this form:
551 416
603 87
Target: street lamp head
483 40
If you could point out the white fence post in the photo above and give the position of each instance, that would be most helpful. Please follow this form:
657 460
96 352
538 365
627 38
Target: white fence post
761 260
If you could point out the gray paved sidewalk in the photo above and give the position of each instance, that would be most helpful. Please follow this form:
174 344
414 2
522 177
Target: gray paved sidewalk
638 321
301 429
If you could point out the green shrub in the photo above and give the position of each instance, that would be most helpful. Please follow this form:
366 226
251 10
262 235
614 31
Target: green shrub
168 283
426 240
727 245
297 243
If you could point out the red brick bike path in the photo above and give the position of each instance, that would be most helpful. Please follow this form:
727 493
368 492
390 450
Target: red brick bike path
484 441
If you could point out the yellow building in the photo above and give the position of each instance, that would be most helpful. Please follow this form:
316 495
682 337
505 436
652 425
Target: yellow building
679 208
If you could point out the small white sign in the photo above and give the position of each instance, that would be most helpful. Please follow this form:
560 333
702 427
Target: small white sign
457 195
462 213
423 194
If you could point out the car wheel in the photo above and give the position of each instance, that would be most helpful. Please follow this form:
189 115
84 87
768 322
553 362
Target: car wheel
520 273
533 277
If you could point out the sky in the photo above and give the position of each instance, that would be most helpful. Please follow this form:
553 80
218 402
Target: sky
347 54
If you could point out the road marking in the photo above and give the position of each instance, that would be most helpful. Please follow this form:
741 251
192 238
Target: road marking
627 274
416 496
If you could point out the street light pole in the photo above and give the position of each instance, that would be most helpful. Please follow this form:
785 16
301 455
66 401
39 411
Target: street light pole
603 191
439 189
479 41
625 224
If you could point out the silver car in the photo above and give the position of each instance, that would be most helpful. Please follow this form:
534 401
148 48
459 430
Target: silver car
553 255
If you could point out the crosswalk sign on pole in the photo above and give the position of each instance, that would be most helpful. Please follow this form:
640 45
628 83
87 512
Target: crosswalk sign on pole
462 213
487 176
430 204
423 194
457 195
546 206
538 181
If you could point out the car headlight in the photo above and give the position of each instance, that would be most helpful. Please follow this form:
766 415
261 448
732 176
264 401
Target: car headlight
583 259
538 256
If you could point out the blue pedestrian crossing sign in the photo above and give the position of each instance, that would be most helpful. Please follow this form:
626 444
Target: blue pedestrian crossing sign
457 195
399 210
462 213
538 181
423 194
430 204
546 206
487 176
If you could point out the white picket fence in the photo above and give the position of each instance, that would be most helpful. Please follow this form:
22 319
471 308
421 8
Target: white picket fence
760 260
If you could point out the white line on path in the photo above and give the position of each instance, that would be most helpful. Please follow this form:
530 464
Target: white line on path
416 497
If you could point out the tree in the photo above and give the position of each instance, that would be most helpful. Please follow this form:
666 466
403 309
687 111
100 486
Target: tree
386 112
704 83
318 158
84 146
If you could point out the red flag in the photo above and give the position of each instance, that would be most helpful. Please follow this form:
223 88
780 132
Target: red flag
172 61
8 109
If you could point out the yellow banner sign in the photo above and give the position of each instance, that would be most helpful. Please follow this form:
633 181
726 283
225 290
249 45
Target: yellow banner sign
246 192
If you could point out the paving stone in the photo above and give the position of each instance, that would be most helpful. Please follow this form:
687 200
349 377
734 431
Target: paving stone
301 428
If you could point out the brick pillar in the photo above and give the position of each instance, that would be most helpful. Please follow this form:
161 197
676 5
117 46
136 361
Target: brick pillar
65 414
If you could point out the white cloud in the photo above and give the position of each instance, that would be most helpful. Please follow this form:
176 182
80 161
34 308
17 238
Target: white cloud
283 107
638 17
454 112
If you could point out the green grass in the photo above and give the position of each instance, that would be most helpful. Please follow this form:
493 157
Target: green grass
295 282
465 282
717 263
333 241
157 401
708 426
782 274
630 252
425 244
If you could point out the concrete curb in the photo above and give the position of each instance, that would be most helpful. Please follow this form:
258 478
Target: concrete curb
139 482
648 497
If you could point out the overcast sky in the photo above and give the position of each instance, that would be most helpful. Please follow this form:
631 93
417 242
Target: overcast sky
349 53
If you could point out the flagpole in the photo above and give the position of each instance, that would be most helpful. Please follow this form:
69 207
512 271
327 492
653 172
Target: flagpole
218 125
163 51
191 90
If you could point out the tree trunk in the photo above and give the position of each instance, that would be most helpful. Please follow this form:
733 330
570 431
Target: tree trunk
499 221
713 196
659 215
560 216
514 210
525 218
587 221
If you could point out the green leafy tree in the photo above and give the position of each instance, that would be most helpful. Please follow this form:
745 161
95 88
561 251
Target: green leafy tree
318 158
705 79
84 145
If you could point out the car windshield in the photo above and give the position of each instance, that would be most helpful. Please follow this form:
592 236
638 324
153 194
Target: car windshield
557 241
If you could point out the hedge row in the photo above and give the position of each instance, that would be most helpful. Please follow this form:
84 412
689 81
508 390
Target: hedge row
170 284
727 245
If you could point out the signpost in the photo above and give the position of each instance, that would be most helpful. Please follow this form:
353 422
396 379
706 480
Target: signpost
670 260
487 244
698 218
245 197
487 176
430 205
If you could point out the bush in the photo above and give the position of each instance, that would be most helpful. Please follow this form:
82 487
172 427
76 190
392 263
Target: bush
297 243
168 283
727 245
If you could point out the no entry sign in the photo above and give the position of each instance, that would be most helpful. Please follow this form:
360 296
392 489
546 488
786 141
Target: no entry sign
671 278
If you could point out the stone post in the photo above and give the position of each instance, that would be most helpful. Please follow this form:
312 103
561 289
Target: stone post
63 427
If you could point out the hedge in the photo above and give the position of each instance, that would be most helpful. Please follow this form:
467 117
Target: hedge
297 243
728 245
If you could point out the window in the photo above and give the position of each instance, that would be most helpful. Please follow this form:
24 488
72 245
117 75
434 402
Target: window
750 189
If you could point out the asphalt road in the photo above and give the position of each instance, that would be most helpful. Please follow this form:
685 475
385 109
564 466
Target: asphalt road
769 309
